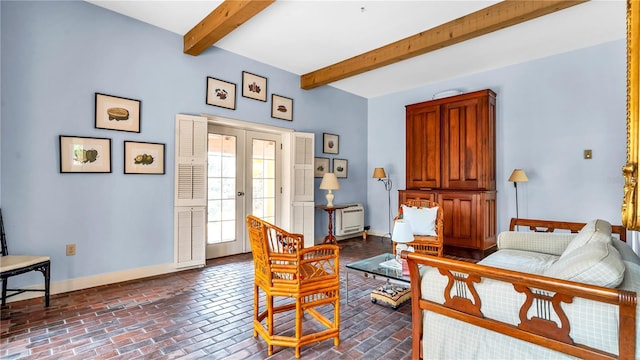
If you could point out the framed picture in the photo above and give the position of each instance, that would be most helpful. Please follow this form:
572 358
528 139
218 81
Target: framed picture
221 93
85 154
320 166
340 167
330 143
254 86
117 113
143 158
281 107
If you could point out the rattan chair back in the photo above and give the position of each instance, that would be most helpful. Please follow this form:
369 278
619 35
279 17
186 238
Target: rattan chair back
309 277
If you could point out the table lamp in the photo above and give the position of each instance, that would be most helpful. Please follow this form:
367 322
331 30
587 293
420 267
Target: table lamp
402 234
329 183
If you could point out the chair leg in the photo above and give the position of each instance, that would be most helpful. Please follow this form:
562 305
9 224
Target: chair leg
47 283
299 316
336 320
270 322
4 292
256 308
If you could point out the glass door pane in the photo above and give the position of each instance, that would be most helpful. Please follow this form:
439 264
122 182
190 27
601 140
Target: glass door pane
264 168
225 200
222 188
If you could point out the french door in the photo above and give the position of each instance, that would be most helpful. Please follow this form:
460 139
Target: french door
243 170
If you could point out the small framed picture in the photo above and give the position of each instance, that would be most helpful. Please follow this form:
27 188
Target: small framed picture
320 166
221 93
85 154
340 167
143 158
117 113
281 107
254 86
330 143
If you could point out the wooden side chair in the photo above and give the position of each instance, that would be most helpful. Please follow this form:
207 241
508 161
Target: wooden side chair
12 265
283 268
427 222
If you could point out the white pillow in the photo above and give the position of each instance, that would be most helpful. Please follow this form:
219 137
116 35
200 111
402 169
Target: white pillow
596 263
422 220
593 231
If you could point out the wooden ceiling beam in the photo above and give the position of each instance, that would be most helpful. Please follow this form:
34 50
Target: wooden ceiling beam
499 16
220 22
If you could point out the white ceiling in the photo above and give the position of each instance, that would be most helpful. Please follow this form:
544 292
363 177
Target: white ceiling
301 36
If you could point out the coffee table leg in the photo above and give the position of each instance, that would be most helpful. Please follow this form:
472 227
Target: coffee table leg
347 287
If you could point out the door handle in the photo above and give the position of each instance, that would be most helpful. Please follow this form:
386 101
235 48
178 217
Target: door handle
240 193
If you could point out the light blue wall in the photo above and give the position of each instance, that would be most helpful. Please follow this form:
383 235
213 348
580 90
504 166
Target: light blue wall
55 56
548 112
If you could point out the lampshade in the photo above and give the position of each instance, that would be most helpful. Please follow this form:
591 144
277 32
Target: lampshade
378 173
402 232
518 175
329 182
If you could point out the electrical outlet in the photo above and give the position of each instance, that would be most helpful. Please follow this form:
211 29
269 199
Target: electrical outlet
71 249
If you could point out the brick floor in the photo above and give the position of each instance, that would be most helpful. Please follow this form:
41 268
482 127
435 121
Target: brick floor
197 314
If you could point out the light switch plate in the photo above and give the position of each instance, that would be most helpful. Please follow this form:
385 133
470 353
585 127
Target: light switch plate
587 154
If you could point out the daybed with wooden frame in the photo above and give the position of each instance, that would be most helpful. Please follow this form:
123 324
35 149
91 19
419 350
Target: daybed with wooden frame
466 310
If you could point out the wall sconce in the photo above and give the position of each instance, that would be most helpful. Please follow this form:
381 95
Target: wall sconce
381 175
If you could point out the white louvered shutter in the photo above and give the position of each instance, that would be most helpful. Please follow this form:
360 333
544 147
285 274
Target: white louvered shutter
303 207
190 191
190 236
303 166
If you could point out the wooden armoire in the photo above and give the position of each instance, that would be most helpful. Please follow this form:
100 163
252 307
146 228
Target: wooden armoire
451 159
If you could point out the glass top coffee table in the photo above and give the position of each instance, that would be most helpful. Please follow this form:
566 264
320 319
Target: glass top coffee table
372 267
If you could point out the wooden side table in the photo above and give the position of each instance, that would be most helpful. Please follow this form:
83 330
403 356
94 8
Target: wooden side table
330 238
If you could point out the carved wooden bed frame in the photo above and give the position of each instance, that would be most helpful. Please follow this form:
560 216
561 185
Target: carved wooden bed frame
543 332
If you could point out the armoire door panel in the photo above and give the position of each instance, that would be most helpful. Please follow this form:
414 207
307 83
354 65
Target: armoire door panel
462 145
459 218
423 148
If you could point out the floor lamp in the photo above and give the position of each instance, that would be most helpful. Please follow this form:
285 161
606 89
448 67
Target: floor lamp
518 175
381 175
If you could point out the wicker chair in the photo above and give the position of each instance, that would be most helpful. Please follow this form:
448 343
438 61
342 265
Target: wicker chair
424 244
283 268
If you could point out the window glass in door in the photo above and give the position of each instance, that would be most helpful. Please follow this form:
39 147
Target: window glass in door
225 200
263 179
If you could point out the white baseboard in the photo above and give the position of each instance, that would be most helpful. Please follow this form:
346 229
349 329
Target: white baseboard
86 282
380 233
320 240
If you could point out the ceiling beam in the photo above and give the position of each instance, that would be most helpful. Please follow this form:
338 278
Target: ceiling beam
220 22
499 16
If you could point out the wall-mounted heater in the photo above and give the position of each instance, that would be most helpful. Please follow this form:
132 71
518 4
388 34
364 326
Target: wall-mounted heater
350 220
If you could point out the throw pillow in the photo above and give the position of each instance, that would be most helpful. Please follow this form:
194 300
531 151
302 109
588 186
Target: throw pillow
422 220
626 252
597 263
594 231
